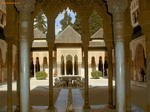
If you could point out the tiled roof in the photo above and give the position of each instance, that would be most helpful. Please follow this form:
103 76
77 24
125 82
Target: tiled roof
98 34
98 43
39 43
68 35
38 34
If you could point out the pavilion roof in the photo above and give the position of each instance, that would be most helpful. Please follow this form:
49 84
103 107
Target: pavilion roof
68 35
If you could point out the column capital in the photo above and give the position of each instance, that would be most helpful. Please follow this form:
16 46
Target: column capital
115 6
25 5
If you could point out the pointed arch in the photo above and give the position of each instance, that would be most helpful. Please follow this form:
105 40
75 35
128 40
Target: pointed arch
62 65
76 71
69 66
93 64
140 60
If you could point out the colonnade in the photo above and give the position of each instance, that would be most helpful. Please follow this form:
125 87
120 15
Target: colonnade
122 96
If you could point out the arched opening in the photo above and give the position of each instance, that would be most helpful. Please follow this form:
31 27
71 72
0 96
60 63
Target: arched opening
62 66
65 18
140 61
93 64
76 65
69 68
100 64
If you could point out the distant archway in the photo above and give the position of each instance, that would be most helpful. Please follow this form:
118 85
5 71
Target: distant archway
139 57
76 65
62 66
93 64
69 67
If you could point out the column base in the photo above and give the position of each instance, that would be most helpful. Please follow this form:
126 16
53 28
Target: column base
111 106
86 107
51 108
17 109
128 109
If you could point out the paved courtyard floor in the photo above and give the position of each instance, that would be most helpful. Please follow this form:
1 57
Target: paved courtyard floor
98 93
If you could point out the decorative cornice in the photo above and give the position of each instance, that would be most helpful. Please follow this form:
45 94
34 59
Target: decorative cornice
25 5
115 6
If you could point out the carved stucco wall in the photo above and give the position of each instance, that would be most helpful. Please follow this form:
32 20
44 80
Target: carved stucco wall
134 43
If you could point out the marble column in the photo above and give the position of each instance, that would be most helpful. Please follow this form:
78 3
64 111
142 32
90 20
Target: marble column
65 69
51 98
85 40
117 11
86 85
110 78
50 39
25 8
73 73
128 36
18 85
9 77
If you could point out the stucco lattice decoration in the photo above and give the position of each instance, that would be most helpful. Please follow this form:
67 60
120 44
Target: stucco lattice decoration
25 5
134 43
117 7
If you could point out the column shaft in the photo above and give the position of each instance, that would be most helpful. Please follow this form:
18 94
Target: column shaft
50 39
86 85
118 26
73 73
127 75
51 102
18 86
9 78
24 44
110 78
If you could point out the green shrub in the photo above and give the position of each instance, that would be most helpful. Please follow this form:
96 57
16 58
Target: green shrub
96 74
41 75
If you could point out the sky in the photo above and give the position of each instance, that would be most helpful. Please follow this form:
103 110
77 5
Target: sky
60 17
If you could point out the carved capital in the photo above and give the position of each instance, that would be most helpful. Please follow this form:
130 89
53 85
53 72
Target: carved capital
115 6
25 5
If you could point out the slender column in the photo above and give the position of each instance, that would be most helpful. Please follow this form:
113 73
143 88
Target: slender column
118 26
120 65
18 86
128 36
24 62
50 39
51 102
65 69
127 77
86 86
73 67
110 78
9 77
24 8
85 39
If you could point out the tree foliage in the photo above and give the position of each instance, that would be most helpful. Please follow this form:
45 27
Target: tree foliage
40 22
66 21
77 24
95 23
